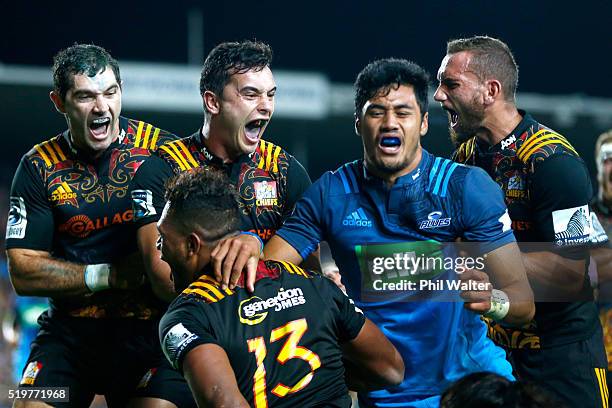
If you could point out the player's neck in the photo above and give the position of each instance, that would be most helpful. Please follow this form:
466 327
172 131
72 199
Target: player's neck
499 122
216 146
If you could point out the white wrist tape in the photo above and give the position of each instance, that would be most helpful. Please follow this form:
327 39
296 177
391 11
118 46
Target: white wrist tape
97 277
500 305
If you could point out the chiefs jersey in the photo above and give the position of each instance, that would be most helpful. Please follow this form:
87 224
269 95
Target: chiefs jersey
547 190
269 182
79 210
283 341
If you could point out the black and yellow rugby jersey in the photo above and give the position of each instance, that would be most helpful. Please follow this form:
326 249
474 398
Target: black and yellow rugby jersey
547 190
269 182
283 341
80 211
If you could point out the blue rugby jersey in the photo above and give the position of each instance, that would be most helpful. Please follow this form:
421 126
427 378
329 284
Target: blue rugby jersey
362 219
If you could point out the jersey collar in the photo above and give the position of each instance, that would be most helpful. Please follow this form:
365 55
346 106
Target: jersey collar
211 158
509 143
411 178
263 271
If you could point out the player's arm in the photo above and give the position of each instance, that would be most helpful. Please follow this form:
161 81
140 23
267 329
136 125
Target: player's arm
157 270
560 185
147 193
504 267
30 231
212 383
371 360
486 221
37 273
303 226
298 182
188 338
603 259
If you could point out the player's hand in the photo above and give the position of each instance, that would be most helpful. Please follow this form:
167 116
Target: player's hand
234 255
479 299
333 274
127 273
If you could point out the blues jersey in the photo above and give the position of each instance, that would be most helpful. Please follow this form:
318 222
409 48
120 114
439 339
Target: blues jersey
364 222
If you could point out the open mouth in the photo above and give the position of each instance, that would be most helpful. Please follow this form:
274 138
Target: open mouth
453 117
99 127
390 144
254 128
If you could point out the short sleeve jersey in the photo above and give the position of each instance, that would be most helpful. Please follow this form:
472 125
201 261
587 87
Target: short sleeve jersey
80 211
547 190
290 330
370 225
269 182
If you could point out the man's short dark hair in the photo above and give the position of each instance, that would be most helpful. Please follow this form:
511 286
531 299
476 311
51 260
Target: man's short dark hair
492 58
230 58
491 390
79 59
384 74
203 200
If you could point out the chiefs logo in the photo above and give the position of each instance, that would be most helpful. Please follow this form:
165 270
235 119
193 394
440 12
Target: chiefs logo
81 226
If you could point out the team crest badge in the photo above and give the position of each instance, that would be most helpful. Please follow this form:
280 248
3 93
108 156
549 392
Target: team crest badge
265 193
30 373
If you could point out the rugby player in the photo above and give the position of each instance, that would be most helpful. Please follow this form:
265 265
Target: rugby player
281 346
602 253
547 190
397 201
238 91
70 237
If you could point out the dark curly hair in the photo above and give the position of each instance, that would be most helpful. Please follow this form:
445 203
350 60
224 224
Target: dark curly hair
382 75
204 200
489 390
78 59
230 58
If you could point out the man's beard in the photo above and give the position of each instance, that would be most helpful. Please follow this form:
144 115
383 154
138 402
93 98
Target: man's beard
469 122
606 189
384 167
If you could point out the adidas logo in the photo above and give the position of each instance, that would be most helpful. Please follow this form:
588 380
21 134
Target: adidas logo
357 219
63 193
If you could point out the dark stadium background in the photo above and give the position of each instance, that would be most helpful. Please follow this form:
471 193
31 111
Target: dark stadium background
564 50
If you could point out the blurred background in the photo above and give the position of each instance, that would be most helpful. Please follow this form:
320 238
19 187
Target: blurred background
564 52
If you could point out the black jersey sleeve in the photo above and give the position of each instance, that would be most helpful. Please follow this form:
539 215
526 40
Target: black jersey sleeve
30 222
348 317
297 182
185 325
560 191
147 190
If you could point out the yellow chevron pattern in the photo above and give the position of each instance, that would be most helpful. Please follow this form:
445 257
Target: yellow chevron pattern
207 288
51 152
541 138
600 373
268 160
180 154
294 269
146 136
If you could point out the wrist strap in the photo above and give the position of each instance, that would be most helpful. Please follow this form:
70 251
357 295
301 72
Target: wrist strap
97 277
500 305
261 243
